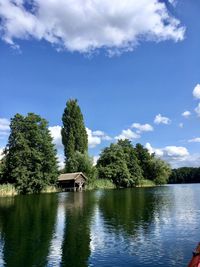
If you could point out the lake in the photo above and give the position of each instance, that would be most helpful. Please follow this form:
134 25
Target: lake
128 227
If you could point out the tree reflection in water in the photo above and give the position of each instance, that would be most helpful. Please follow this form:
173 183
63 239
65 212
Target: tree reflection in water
76 244
26 225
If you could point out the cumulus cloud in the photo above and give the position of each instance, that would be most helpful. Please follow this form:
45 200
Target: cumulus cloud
95 159
1 153
186 114
159 119
88 25
176 156
196 91
142 127
93 140
194 140
158 152
102 135
96 137
56 135
127 134
4 127
55 132
197 110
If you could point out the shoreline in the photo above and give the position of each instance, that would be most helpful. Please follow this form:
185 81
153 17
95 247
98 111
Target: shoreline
8 190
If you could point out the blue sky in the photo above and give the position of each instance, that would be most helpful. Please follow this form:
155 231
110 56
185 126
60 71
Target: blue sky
139 61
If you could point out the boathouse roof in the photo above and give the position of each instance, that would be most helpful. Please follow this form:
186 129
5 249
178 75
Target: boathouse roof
71 176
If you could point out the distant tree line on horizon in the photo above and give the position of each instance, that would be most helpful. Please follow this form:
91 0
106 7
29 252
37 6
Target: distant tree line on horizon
185 175
30 161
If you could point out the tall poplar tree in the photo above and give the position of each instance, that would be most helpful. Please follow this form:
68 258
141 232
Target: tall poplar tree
74 135
30 161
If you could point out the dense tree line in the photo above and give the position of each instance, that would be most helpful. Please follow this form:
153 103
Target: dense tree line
127 165
185 175
30 161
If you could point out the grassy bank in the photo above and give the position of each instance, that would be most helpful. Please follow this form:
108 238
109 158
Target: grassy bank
50 189
100 184
107 184
146 183
7 190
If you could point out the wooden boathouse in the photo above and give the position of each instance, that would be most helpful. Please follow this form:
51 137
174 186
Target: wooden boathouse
72 181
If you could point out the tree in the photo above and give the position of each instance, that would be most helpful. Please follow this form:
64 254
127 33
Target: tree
144 159
2 169
160 171
31 162
82 163
112 165
185 175
74 135
131 161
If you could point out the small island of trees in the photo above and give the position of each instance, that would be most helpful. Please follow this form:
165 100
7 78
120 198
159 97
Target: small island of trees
30 164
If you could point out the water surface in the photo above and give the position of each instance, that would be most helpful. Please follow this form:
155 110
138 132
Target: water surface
130 227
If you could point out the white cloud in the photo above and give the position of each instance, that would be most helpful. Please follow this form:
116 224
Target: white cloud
4 127
93 140
197 110
56 135
142 127
98 133
186 114
1 153
55 132
127 134
96 137
194 140
176 156
161 119
88 25
102 135
61 160
196 91
175 152
158 152
95 159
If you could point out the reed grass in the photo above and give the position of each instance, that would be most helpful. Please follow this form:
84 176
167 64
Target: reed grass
146 183
50 189
7 190
100 184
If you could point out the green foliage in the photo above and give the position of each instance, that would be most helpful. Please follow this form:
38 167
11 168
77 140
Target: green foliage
100 184
131 161
127 166
144 159
185 175
112 165
82 163
146 183
74 135
160 171
2 169
30 161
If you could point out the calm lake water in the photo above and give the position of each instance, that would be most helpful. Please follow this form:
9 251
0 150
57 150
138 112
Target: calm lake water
130 227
